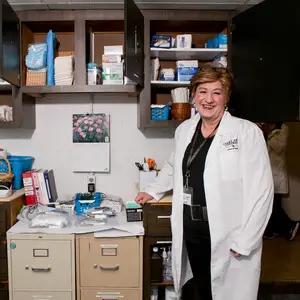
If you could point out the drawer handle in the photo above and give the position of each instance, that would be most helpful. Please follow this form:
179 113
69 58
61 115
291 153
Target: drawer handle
163 217
164 242
41 269
111 268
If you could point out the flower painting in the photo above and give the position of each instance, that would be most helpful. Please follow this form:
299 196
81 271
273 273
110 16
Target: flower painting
91 128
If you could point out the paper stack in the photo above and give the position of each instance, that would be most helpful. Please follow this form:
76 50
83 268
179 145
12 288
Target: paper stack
64 70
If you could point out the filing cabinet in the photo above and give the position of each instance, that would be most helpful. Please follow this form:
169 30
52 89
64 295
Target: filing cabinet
41 266
109 268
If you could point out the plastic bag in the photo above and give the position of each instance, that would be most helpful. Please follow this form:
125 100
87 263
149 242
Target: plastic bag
51 44
53 218
36 57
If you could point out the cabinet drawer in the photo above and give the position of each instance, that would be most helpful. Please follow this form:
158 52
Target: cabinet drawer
18 295
41 264
3 269
110 262
3 250
113 294
4 294
158 220
3 219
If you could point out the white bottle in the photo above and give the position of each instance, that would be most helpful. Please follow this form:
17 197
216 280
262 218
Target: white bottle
165 262
169 275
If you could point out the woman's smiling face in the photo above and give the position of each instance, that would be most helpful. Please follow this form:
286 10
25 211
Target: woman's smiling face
210 101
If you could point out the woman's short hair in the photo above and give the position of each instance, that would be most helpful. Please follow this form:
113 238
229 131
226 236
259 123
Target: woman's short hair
211 73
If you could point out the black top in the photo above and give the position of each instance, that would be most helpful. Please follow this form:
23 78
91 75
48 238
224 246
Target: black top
194 231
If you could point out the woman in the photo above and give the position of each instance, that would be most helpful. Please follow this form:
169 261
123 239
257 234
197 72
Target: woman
276 135
222 186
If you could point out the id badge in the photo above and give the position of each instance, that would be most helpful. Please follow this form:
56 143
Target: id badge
187 195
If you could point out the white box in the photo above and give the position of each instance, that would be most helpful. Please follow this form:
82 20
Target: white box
184 41
111 58
112 73
113 50
146 178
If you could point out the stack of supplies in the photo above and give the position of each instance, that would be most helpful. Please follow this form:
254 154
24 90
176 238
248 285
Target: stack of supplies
64 70
6 114
36 63
112 65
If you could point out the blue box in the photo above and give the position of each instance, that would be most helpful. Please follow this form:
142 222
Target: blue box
84 202
160 113
219 41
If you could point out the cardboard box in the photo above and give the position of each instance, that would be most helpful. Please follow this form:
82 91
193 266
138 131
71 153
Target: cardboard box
112 73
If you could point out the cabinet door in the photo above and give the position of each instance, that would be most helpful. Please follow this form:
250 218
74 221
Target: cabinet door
134 43
9 44
264 62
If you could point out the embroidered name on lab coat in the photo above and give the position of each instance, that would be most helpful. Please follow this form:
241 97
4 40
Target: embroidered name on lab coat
231 145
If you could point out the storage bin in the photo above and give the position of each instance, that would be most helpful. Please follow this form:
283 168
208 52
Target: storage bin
36 78
160 112
19 165
86 201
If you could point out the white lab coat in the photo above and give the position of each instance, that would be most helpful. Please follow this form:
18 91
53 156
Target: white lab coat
239 193
277 143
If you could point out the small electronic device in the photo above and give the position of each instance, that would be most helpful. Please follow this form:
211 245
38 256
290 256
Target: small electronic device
91 183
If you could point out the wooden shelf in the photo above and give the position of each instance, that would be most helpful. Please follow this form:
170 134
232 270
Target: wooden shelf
39 91
169 84
5 87
163 283
202 54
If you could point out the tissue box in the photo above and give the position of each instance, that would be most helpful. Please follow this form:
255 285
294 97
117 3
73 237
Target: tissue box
146 178
112 73
186 69
219 41
134 212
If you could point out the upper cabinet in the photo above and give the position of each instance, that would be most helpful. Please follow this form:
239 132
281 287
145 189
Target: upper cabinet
134 43
264 64
9 44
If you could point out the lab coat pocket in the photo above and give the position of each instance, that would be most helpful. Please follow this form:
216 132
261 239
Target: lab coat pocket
229 165
235 262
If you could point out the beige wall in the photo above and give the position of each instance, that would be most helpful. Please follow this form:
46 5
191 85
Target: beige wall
292 203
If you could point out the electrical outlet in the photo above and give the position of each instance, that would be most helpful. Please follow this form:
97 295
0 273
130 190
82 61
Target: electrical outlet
91 183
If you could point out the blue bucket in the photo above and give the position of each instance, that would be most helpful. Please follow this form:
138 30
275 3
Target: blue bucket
19 165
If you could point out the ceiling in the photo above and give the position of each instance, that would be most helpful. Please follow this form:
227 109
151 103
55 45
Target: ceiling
143 4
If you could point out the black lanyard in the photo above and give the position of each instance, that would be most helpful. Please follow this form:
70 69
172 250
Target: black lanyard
192 155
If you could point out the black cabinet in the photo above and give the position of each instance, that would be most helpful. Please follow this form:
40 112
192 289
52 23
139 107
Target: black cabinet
134 43
9 44
264 62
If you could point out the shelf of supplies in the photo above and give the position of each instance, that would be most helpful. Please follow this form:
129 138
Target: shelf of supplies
163 283
70 89
169 84
202 54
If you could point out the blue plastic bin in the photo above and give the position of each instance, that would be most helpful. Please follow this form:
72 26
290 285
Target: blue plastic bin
160 113
81 205
19 165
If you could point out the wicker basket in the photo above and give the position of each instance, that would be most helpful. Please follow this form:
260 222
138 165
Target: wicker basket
36 78
65 53
6 178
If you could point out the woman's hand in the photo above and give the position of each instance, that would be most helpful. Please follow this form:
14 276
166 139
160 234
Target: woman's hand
235 254
143 198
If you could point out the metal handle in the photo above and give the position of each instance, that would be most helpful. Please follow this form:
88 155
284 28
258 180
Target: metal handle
41 269
135 40
163 217
164 242
110 268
